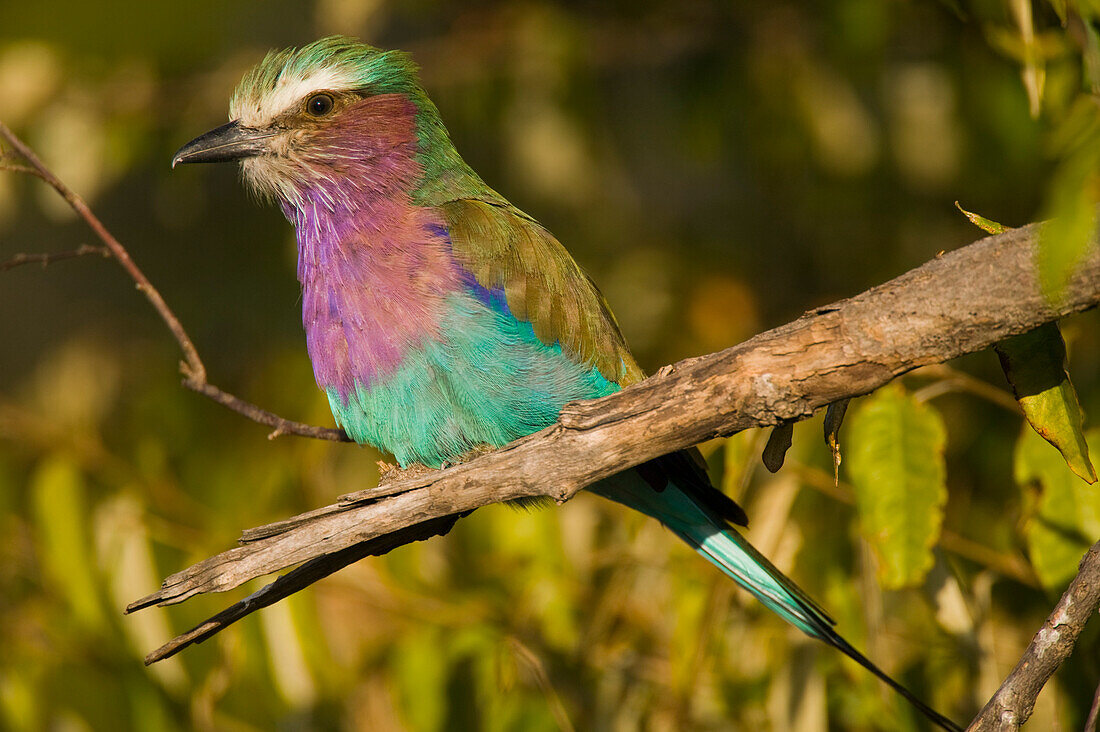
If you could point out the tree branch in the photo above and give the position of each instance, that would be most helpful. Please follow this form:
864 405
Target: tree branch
1013 703
958 303
192 367
46 259
300 578
1094 712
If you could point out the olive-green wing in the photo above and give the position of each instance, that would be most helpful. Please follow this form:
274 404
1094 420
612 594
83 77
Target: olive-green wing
504 247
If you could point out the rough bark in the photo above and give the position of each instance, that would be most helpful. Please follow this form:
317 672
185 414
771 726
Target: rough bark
957 303
1014 701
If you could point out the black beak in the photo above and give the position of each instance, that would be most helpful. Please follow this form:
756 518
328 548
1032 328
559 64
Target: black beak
228 142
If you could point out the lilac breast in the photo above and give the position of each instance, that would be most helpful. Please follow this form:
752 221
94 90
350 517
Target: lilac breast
374 277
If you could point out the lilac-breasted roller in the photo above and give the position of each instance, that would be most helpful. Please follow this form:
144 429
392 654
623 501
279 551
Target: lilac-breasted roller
439 318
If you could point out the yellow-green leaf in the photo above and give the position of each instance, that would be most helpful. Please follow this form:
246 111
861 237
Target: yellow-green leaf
420 677
738 456
1067 519
989 227
895 459
1059 8
1035 364
1072 197
1033 72
60 522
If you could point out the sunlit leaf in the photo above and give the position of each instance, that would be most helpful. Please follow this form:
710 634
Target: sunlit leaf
420 673
986 225
1035 364
1072 197
151 708
896 463
1067 519
1033 71
1091 56
20 707
1059 7
125 553
285 643
737 458
61 522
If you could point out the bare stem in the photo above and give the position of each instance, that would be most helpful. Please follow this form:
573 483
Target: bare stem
256 414
836 352
1094 712
1014 701
192 367
46 259
195 367
777 376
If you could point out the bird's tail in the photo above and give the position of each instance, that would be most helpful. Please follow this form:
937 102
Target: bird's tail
691 515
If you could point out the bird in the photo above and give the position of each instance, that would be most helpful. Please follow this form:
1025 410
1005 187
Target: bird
439 318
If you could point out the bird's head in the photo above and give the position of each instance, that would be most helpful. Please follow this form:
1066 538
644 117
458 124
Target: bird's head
334 111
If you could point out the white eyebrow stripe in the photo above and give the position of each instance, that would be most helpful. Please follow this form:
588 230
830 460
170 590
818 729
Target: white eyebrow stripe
289 91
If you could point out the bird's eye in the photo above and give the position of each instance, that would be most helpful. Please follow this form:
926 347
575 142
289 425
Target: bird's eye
320 104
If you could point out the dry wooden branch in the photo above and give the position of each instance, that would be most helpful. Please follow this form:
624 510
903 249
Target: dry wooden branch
1013 703
302 577
1094 712
195 366
958 303
44 260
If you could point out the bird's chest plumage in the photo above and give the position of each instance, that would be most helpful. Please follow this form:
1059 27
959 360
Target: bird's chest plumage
416 357
372 294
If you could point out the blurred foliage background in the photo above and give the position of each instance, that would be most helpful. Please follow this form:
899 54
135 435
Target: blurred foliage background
718 168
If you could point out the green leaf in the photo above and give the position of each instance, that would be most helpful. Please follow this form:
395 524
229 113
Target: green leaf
1059 8
1035 364
895 458
989 227
420 676
1033 72
60 522
737 457
1067 518
1072 198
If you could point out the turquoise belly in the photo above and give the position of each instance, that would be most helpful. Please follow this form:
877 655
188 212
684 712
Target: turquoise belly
487 381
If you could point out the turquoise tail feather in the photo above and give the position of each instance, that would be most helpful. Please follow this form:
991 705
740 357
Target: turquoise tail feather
683 513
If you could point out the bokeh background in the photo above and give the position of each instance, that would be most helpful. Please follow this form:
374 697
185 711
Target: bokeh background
717 167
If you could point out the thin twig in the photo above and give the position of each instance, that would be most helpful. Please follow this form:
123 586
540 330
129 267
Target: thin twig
193 369
951 379
778 376
1014 701
46 259
1094 711
24 169
538 669
256 414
